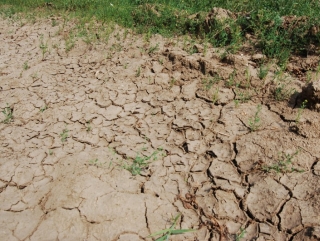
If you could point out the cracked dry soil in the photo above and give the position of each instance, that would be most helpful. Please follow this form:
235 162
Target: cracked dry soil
78 114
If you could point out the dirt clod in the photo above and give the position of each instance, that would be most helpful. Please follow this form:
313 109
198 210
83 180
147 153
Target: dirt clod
311 93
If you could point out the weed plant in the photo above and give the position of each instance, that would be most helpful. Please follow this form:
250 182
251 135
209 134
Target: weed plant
96 162
64 135
140 162
242 96
43 108
284 164
138 72
166 233
300 111
88 126
25 65
241 234
263 72
231 81
254 123
43 46
210 81
153 49
8 115
172 82
215 96
283 89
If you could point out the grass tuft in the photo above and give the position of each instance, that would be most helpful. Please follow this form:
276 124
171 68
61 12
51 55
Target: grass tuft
284 164
166 233
8 115
254 123
139 163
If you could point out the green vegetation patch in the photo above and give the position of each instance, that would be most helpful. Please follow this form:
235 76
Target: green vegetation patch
279 27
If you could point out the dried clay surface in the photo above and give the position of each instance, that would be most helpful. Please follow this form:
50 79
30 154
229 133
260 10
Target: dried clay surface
235 162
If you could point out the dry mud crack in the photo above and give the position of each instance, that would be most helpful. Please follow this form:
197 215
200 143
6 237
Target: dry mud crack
78 115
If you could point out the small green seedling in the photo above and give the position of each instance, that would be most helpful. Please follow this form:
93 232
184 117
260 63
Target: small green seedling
318 70
309 77
141 162
153 49
241 234
147 36
215 96
50 152
138 72
25 65
43 47
34 76
95 162
231 80
242 96
248 78
254 122
302 107
172 82
43 108
284 164
210 81
263 72
8 115
118 37
125 34
88 126
166 233
236 103
283 91
64 135
205 47
116 47
54 23
70 42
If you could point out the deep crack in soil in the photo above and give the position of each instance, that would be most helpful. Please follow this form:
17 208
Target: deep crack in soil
83 121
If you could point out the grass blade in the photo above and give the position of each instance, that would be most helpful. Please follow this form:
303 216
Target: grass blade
160 232
180 231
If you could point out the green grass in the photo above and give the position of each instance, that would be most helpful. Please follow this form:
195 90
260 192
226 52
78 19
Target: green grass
215 96
64 135
209 81
240 235
140 162
153 49
283 89
254 123
263 72
25 65
43 108
88 126
261 18
97 163
284 164
300 111
166 233
8 114
43 46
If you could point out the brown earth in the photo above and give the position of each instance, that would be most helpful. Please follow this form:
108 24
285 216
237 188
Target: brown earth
79 115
